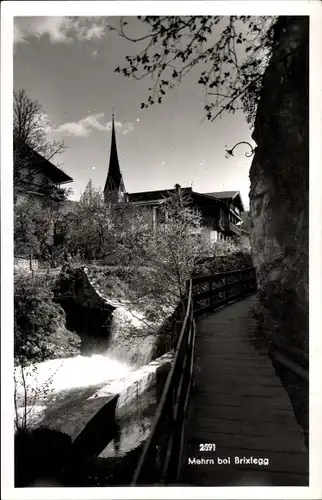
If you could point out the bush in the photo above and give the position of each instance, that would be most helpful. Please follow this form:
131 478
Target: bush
41 457
224 255
40 331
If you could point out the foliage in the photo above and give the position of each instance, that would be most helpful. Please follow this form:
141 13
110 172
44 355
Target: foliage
226 247
86 230
33 229
225 255
230 54
161 258
155 262
175 246
39 334
41 455
26 394
40 331
35 225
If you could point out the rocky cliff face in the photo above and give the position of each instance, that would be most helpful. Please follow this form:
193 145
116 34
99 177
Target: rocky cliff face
279 202
280 187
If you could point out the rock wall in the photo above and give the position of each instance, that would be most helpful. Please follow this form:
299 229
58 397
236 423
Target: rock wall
280 187
107 325
87 313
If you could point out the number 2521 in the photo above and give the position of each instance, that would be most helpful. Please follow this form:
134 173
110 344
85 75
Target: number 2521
207 447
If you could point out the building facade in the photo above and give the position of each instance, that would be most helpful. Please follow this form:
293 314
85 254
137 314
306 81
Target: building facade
35 177
221 211
38 181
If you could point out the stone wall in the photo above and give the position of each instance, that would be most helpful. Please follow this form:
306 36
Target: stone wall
85 418
280 188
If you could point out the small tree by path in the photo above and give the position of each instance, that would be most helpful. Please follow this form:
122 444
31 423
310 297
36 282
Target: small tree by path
29 393
176 243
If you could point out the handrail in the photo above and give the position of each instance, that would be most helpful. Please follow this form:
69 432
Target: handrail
222 274
171 411
144 464
167 433
294 359
291 365
217 294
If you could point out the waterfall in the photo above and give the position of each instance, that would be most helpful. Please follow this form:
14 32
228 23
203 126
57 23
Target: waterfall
132 342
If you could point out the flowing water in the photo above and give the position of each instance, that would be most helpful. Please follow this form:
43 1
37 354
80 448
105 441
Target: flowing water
42 385
52 386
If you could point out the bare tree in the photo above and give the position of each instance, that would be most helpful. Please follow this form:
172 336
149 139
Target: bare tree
29 394
30 133
31 126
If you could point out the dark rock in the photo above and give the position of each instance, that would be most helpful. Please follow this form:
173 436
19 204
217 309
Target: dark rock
279 195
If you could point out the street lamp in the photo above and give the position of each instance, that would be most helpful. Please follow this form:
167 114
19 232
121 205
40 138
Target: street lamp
230 152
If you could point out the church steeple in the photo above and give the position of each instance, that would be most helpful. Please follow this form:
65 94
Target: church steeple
114 186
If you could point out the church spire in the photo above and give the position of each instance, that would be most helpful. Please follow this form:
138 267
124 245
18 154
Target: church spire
114 185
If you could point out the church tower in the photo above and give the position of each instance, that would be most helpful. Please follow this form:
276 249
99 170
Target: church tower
114 189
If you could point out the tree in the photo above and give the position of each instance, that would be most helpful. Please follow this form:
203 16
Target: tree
33 230
231 53
177 244
162 257
87 230
37 319
30 127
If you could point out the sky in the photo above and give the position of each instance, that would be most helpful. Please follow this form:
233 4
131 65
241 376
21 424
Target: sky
68 64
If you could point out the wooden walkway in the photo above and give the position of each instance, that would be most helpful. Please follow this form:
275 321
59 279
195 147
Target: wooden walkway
239 405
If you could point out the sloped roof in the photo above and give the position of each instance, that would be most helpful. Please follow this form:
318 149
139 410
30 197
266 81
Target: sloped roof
223 194
227 195
154 195
150 197
37 160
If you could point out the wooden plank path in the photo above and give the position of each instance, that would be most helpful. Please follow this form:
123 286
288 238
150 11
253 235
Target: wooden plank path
239 404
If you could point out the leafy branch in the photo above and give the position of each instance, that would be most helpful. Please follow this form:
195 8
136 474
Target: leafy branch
230 52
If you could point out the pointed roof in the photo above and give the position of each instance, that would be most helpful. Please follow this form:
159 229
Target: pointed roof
114 171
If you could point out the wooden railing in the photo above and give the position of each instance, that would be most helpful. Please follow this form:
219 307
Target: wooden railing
160 460
216 290
292 358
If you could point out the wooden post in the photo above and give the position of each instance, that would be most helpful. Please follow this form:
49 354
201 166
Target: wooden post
225 289
211 296
254 284
154 218
30 260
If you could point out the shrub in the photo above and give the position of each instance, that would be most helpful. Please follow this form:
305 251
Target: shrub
41 456
224 255
39 322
